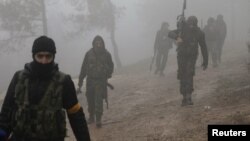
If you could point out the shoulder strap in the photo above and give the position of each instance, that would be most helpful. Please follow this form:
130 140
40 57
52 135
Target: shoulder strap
21 89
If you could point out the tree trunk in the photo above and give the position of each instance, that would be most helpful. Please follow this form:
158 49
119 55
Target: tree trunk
116 53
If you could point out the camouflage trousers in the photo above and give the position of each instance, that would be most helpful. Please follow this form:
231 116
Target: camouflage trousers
95 92
186 72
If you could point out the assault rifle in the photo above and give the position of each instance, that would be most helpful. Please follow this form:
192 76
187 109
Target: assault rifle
181 18
153 59
106 96
78 90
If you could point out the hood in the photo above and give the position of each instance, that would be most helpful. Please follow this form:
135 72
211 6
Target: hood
98 50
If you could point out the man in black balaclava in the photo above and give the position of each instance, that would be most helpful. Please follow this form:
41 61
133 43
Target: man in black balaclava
43 53
38 99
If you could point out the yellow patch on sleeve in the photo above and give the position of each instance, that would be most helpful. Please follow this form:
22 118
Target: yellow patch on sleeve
74 109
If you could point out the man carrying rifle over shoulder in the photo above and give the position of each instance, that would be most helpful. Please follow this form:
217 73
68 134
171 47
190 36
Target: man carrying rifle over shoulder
98 67
188 37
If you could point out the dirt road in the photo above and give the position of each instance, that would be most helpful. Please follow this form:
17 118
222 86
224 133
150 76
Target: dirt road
146 107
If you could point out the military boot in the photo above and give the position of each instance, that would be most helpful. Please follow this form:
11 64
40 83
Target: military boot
91 119
189 99
99 121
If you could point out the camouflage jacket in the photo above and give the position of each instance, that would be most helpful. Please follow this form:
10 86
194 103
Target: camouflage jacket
34 102
192 39
96 66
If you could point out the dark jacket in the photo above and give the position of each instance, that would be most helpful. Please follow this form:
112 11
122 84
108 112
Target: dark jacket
211 33
96 66
162 42
37 87
192 39
221 28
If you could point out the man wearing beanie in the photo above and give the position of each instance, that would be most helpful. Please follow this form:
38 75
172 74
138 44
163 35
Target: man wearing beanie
38 99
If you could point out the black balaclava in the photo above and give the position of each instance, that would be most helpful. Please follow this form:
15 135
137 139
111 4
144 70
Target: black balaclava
98 50
43 44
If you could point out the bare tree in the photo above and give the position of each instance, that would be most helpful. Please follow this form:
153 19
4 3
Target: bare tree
101 14
20 20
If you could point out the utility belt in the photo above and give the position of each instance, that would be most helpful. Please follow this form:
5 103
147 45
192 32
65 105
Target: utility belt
39 124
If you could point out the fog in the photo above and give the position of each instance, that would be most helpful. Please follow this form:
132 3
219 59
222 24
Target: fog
136 28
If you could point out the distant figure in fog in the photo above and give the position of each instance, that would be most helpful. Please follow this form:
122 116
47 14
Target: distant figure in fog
188 39
98 67
161 47
211 40
248 46
221 28
248 41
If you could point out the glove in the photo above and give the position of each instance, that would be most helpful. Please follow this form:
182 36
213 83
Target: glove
78 90
204 66
179 41
3 135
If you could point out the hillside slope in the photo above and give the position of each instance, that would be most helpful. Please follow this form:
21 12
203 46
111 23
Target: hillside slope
145 107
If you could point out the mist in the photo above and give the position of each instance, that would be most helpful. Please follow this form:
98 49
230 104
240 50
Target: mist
135 31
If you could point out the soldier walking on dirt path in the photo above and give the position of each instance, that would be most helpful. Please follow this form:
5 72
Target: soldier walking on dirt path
221 28
211 40
98 67
162 45
188 40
